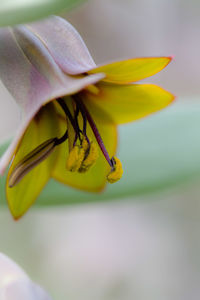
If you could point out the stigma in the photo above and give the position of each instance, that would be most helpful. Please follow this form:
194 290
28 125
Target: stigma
116 172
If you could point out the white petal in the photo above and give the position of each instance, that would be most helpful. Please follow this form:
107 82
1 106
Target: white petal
65 44
9 271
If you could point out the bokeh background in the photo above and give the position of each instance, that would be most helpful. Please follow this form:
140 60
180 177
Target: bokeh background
144 248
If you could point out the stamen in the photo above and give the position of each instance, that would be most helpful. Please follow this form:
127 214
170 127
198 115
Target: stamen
85 126
31 160
62 139
75 158
116 171
76 121
94 128
91 156
69 115
84 122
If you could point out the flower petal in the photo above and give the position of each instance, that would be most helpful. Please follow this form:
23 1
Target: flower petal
15 284
9 271
65 44
22 195
23 289
95 179
131 70
32 77
122 104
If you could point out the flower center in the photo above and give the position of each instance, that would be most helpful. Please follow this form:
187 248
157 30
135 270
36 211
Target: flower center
83 153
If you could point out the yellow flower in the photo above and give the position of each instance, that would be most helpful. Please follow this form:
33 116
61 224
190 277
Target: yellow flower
70 108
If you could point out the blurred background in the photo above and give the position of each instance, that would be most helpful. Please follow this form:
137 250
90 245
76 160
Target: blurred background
141 248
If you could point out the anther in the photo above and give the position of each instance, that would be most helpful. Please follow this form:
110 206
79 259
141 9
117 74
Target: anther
75 158
91 156
116 171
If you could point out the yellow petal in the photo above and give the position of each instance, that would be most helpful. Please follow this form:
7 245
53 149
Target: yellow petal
94 179
122 104
132 70
23 194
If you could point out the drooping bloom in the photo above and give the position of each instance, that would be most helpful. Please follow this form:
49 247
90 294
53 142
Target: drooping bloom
70 109
15 283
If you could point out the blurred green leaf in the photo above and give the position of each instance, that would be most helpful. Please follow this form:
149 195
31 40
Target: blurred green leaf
157 153
14 12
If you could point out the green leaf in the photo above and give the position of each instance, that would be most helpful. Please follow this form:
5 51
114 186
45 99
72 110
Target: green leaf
14 12
158 152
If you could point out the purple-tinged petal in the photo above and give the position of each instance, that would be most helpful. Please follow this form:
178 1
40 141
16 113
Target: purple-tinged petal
65 44
23 77
33 78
